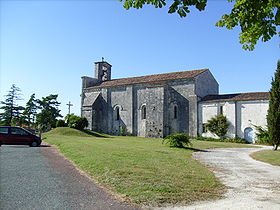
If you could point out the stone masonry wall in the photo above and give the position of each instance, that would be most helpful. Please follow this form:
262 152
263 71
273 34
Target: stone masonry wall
181 93
120 97
177 94
206 84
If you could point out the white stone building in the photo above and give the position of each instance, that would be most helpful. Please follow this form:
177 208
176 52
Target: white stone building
243 112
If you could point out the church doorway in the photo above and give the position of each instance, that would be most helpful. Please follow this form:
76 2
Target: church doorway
249 135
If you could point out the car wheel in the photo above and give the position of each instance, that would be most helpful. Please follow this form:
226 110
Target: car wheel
34 144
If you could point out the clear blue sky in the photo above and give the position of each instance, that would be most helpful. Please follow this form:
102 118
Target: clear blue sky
46 46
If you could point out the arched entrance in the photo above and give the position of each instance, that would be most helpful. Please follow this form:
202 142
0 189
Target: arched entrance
249 135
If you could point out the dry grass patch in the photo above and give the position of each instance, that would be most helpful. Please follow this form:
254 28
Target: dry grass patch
268 156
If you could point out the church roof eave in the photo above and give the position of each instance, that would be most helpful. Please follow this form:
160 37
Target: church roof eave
252 96
151 78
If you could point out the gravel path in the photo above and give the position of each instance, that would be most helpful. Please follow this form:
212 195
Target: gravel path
251 184
40 178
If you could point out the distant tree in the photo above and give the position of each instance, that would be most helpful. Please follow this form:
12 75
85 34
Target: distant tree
258 19
12 111
273 117
218 125
30 111
49 112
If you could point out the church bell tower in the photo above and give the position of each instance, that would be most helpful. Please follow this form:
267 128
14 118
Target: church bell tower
102 71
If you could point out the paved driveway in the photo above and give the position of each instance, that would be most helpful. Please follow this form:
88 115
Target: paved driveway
251 184
39 178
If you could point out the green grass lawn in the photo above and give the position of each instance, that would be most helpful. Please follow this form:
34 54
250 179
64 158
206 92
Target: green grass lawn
141 170
268 156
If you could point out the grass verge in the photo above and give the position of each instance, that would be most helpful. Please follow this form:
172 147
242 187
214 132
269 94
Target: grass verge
141 170
268 156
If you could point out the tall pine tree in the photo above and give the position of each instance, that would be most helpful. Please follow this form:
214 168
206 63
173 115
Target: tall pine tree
30 111
12 111
273 117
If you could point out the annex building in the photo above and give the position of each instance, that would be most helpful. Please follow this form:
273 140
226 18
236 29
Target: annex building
161 104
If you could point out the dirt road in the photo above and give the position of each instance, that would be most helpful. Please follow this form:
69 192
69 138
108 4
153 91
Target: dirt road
251 184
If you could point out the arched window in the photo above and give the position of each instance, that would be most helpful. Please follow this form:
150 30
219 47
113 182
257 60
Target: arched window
143 112
175 112
117 113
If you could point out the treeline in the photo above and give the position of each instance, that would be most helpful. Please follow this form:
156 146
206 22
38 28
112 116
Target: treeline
38 114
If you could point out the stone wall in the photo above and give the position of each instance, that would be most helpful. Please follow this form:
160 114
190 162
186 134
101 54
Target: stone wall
206 84
155 110
178 94
120 97
240 115
250 113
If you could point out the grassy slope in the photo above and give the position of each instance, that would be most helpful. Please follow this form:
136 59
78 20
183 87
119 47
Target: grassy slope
141 170
268 156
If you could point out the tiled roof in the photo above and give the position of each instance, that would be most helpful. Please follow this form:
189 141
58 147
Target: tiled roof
237 97
151 78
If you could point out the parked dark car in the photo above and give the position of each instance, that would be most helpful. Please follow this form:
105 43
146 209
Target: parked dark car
18 136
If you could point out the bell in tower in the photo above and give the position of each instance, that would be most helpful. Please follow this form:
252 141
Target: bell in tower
102 71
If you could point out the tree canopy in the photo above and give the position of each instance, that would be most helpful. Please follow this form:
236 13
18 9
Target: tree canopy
258 19
49 112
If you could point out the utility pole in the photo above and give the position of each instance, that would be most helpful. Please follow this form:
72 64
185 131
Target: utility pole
69 107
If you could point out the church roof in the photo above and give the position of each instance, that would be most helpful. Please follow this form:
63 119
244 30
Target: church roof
237 97
90 98
151 78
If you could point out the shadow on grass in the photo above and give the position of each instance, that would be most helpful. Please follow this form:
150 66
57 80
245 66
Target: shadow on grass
195 150
190 148
95 134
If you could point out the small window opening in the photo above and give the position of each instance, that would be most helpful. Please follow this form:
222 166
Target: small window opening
117 113
221 110
175 112
143 112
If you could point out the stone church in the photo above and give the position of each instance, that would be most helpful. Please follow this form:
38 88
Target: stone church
156 105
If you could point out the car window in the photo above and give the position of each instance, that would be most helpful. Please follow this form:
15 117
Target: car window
4 130
18 131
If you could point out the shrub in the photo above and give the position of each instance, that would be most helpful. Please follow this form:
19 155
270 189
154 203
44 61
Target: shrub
74 121
218 125
262 135
81 123
123 131
61 123
177 140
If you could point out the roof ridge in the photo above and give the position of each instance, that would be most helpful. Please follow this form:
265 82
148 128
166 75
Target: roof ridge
175 72
236 93
237 96
151 78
